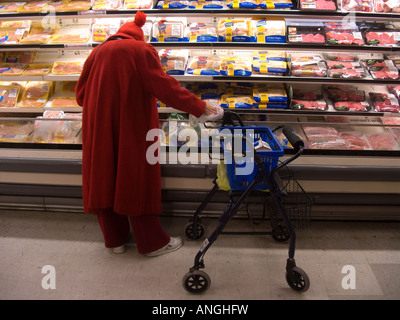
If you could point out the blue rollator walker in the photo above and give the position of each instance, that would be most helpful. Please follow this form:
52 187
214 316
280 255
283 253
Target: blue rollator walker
264 177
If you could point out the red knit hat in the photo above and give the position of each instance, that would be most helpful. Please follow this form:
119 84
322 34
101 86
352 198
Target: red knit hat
133 29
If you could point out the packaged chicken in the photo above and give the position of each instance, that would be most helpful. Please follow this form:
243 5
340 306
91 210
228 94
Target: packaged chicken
58 5
64 102
33 6
19 56
36 94
167 31
234 30
237 101
269 62
172 4
274 93
8 96
103 29
269 31
207 5
204 65
37 69
245 4
236 66
276 4
71 35
108 5
77 5
67 67
11 69
138 4
173 61
7 7
38 34
19 24
200 32
12 35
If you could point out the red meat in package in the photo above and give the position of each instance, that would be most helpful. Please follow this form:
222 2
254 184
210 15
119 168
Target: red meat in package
305 31
355 140
385 102
324 138
387 6
383 141
355 106
324 5
358 5
344 93
384 38
343 33
382 69
309 105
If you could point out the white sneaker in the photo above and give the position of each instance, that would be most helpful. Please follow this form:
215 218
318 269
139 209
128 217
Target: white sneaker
174 244
120 249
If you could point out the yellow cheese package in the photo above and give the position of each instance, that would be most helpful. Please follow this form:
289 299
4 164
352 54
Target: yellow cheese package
11 69
8 96
37 69
67 67
36 94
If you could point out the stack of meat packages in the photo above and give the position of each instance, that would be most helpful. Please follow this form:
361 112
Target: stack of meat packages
347 98
308 99
343 33
380 34
381 68
311 65
344 66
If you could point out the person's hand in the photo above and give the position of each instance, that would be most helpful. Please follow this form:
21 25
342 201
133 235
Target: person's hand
211 108
213 111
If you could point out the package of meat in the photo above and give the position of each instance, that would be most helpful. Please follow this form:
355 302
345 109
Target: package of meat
63 102
395 90
204 65
36 94
19 24
269 55
387 6
242 4
346 69
19 56
308 66
271 30
306 94
172 4
385 102
354 106
382 38
270 67
200 32
167 31
11 69
274 93
173 61
337 92
207 5
355 140
350 37
33 6
324 138
138 4
305 31
58 5
8 96
103 29
236 66
233 101
276 4
37 69
336 56
77 5
38 34
108 5
67 67
8 7
320 105
357 5
71 35
381 68
320 5
234 30
382 141
12 35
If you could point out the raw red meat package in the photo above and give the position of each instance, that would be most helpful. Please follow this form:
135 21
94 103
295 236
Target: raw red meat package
320 5
385 102
346 69
337 92
308 66
355 140
382 69
324 138
305 31
309 105
383 141
387 6
358 5
343 33
354 106
305 94
383 38
336 56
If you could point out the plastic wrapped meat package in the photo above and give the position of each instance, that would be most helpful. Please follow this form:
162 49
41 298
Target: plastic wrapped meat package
320 5
355 140
204 65
308 66
138 4
67 67
38 34
382 141
8 7
276 4
108 5
324 138
385 102
346 69
300 93
383 38
268 30
381 68
319 105
269 62
19 56
16 131
387 6
12 35
11 69
337 56
36 94
237 101
77 5
354 106
69 129
337 92
172 4
33 6
270 96
236 66
64 95
103 29
67 35
305 31
9 96
343 33
174 61
168 31
234 30
242 4
357 5
200 32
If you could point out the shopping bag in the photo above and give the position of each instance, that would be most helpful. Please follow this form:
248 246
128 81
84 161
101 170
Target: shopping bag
222 177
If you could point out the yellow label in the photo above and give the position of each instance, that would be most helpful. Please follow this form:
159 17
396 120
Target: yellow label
262 106
235 4
230 69
229 31
165 5
270 5
161 37
263 67
197 72
264 97
231 103
193 37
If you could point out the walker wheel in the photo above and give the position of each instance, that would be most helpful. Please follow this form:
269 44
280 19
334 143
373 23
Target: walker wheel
280 233
196 281
192 234
297 279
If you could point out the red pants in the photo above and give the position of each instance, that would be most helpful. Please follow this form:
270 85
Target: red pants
147 230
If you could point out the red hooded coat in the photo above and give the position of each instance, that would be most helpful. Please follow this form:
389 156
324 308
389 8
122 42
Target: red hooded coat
118 88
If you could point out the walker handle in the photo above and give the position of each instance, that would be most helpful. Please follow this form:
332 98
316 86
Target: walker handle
293 138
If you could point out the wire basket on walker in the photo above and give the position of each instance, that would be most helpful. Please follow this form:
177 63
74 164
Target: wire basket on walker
251 156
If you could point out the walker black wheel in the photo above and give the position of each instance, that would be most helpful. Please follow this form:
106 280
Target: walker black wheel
196 281
297 279
280 233
192 234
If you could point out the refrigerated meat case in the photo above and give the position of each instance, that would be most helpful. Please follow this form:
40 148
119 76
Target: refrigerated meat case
344 183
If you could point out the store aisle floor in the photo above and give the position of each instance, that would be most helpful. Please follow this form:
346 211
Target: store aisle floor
240 267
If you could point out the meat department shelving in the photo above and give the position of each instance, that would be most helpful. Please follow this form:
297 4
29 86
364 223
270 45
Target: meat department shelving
47 176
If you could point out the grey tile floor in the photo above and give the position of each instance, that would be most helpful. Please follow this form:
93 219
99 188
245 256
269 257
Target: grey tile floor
240 267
